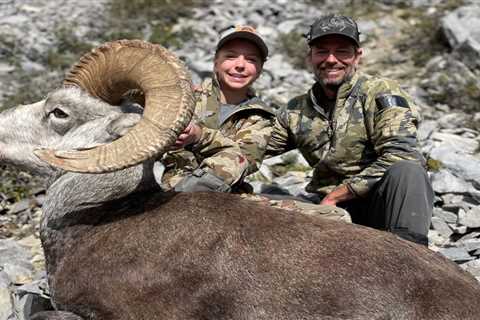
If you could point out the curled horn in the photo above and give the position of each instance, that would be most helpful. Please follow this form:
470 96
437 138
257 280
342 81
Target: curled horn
107 73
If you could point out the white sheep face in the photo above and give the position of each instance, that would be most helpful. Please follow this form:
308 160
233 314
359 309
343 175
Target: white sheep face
67 119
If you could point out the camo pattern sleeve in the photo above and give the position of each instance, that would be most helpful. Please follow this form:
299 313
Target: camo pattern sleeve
221 155
252 135
281 141
392 119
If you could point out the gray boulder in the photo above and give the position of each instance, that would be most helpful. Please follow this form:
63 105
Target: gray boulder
462 31
445 181
15 261
462 24
5 304
470 218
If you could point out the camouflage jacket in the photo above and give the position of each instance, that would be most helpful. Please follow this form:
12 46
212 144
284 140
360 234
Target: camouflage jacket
372 125
233 142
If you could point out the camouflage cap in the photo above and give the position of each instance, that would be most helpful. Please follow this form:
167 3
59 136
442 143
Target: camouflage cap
334 24
243 32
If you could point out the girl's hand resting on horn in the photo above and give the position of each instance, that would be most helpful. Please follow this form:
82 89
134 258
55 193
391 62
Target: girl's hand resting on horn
190 135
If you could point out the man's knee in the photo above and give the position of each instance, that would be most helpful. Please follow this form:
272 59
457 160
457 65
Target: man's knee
406 170
408 179
409 175
409 200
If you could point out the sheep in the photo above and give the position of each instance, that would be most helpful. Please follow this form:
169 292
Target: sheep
119 247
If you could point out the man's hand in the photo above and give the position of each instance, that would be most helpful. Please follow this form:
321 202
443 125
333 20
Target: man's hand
190 135
339 194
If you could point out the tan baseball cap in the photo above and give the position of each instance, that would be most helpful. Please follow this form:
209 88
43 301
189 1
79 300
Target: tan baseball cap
243 32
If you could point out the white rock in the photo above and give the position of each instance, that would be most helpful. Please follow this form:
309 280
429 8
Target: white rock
5 305
288 26
456 254
441 227
444 181
453 143
470 218
462 24
473 267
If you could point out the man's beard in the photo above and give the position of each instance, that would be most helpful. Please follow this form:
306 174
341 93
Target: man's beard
334 85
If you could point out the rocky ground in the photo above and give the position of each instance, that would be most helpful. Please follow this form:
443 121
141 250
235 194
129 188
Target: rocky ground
431 47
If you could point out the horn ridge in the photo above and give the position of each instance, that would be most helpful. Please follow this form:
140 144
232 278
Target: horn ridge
111 70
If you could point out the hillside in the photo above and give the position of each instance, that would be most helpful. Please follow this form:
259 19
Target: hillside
432 47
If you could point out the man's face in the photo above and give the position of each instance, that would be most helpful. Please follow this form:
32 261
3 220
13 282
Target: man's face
238 64
334 59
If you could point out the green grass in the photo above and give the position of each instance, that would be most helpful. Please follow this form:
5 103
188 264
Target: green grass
423 39
68 48
168 10
34 86
8 45
15 184
295 47
434 165
126 19
150 20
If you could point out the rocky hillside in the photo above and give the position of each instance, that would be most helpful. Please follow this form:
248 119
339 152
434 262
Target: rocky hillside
432 47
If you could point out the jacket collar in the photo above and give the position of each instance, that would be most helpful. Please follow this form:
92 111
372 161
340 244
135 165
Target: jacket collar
346 88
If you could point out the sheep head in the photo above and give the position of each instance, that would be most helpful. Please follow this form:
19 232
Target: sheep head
108 73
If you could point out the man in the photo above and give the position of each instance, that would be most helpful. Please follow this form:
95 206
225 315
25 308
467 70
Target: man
229 135
358 132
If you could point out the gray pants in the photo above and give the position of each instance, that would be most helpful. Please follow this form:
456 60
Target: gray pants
401 202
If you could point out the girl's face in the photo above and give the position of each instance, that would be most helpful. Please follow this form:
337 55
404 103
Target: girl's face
238 64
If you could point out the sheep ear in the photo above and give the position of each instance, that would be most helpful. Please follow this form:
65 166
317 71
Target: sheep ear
122 124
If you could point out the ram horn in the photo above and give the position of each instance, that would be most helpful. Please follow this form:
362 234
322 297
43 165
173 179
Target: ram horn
107 73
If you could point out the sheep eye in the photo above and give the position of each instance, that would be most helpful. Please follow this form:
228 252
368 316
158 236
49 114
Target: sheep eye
58 113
